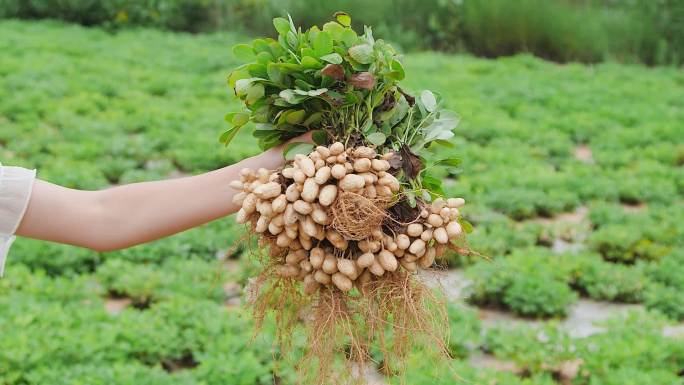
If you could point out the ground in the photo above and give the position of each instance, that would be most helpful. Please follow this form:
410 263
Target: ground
573 174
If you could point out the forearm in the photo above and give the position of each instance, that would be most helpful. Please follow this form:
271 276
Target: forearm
128 215
143 212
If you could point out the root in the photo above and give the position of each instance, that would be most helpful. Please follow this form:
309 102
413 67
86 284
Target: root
333 330
356 216
391 314
403 312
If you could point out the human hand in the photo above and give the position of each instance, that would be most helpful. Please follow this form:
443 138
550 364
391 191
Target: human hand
273 158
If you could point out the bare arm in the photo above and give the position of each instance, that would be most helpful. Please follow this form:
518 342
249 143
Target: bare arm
128 215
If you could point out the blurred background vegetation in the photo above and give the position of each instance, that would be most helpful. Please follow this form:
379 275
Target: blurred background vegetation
573 174
644 31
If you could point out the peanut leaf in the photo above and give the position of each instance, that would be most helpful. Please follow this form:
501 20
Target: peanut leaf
451 162
281 25
362 53
376 138
229 135
429 100
333 58
243 52
294 148
323 44
343 18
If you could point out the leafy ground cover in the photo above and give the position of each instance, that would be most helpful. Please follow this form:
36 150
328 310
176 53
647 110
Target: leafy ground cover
540 142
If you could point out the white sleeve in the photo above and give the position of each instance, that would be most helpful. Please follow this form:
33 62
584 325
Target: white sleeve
16 184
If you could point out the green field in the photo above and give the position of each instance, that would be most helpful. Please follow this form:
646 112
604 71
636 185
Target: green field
557 158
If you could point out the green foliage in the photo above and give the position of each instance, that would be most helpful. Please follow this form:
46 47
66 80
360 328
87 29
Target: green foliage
178 15
535 349
630 31
311 80
62 334
536 283
665 294
666 299
537 296
632 345
644 235
428 372
344 87
634 341
606 281
670 270
53 258
465 330
330 79
146 284
498 235
144 105
528 283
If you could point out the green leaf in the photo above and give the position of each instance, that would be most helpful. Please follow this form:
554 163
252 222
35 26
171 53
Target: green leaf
353 97
349 37
255 92
264 57
444 143
290 67
465 225
343 18
317 92
229 135
269 140
451 162
291 97
441 128
242 86
257 70
433 184
311 63
292 39
397 70
323 44
260 114
293 27
411 197
362 53
333 58
281 25
274 72
368 128
264 127
313 119
282 42
304 87
319 137
335 30
260 45
243 52
240 119
401 108
307 51
429 100
294 148
237 74
295 117
229 117
376 138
